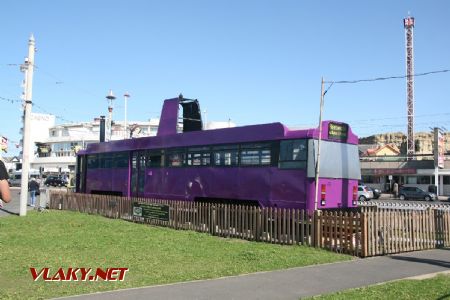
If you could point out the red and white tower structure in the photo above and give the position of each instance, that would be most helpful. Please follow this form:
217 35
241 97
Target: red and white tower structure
408 23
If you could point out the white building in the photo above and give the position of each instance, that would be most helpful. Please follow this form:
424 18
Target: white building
55 153
39 126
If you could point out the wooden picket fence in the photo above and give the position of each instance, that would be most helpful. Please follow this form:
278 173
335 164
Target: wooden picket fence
388 231
366 232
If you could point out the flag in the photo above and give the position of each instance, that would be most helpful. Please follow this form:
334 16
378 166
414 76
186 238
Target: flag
4 144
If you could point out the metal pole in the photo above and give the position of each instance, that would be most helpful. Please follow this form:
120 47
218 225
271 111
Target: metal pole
110 97
436 159
27 67
126 96
436 179
316 195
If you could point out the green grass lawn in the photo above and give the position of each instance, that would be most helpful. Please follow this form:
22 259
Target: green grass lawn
436 288
154 255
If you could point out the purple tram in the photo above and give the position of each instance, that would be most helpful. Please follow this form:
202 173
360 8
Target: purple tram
265 165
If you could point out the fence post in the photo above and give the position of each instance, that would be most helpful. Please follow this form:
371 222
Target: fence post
364 235
317 229
213 218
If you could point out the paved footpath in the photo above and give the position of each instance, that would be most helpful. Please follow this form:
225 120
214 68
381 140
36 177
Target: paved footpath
297 282
13 207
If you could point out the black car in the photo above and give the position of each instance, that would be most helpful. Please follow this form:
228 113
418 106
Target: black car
410 192
55 181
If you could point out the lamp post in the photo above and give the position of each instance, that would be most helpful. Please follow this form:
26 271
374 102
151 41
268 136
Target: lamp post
316 195
27 68
110 97
126 96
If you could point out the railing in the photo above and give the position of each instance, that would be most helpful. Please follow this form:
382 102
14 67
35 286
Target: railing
402 205
367 232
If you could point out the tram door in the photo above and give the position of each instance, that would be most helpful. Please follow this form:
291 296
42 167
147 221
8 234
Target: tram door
138 162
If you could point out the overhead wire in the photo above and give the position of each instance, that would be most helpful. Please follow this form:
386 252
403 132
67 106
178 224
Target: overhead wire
386 78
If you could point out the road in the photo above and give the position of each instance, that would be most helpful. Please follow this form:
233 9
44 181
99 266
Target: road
14 206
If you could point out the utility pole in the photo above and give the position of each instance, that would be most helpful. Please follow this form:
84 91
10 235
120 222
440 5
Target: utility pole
27 68
316 195
126 97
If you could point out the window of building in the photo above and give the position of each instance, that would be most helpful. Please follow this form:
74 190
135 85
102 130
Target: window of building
370 179
293 154
423 179
411 180
418 180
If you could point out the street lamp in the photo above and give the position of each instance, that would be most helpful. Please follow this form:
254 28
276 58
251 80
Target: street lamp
316 194
126 96
110 97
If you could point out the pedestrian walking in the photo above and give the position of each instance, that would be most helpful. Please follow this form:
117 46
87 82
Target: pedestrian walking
5 193
33 187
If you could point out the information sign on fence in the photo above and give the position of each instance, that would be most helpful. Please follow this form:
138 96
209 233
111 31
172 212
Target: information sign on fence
151 211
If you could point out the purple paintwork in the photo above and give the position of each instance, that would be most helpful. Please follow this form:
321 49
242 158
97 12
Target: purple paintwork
169 117
270 186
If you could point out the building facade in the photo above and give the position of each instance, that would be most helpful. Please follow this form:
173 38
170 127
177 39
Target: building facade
382 165
56 152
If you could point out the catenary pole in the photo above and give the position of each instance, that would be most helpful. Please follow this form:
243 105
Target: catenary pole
316 195
126 96
27 68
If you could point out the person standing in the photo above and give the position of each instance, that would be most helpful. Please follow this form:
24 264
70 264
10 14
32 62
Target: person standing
5 193
396 189
33 187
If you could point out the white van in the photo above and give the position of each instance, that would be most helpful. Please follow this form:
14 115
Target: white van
15 178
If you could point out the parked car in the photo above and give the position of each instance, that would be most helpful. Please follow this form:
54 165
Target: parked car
364 193
55 181
376 192
411 192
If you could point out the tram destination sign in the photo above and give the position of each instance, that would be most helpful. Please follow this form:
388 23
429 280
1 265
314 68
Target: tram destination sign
337 131
151 211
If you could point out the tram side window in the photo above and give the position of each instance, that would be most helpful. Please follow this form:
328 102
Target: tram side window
120 160
293 154
255 155
92 161
154 159
226 155
199 156
175 159
106 160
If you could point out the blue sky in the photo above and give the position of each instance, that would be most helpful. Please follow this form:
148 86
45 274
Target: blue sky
250 61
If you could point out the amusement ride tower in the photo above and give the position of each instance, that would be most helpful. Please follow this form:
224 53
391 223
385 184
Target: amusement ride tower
409 26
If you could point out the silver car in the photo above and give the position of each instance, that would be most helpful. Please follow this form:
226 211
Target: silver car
364 193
